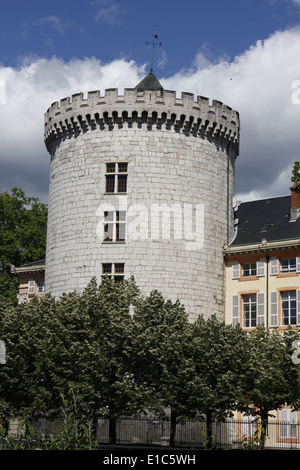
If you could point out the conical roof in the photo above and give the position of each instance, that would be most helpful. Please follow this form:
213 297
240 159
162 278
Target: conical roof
150 82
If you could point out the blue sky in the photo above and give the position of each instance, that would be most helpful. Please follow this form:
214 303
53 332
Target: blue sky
109 29
245 53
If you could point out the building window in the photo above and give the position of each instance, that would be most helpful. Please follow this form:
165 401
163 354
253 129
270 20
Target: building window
249 310
288 265
289 307
253 310
114 226
249 269
41 287
114 270
288 423
31 287
116 178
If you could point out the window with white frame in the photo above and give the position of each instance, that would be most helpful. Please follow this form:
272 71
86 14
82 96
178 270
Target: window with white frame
288 303
289 308
114 270
254 269
253 310
114 226
249 269
288 265
288 421
31 287
116 178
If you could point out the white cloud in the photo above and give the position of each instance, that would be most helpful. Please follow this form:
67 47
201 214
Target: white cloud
54 21
110 12
27 93
258 83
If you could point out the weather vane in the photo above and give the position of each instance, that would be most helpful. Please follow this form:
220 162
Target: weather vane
155 37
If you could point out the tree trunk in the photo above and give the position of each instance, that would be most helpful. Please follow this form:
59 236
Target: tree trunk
263 428
173 428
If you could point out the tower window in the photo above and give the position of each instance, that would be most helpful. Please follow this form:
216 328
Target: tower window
116 177
114 270
114 226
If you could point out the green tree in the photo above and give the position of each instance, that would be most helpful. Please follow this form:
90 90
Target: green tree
23 227
80 342
92 350
162 364
271 377
24 389
219 352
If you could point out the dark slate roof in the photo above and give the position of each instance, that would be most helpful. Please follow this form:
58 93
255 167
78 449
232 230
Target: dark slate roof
150 82
266 218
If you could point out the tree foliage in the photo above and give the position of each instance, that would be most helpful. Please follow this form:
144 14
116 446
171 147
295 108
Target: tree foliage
23 227
162 363
121 353
218 354
272 380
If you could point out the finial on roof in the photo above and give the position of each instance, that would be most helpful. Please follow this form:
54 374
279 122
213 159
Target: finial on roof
155 36
150 82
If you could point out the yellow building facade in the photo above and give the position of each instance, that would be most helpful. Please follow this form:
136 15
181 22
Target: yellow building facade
262 287
31 278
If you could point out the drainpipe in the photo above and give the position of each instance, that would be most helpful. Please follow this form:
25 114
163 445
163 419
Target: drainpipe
267 292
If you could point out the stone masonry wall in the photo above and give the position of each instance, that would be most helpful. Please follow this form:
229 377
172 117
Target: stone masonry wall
192 174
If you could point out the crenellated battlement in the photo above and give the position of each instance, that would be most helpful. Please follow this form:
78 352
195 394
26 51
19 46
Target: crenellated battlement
158 108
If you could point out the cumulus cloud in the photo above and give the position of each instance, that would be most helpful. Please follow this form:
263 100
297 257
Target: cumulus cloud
25 95
260 84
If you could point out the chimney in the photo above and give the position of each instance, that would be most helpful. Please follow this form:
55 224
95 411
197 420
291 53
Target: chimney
295 201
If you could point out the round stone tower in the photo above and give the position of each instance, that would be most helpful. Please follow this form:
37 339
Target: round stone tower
141 184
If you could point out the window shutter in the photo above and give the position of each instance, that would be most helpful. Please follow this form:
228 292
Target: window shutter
274 309
260 300
298 306
260 267
236 271
31 287
298 264
235 310
273 266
